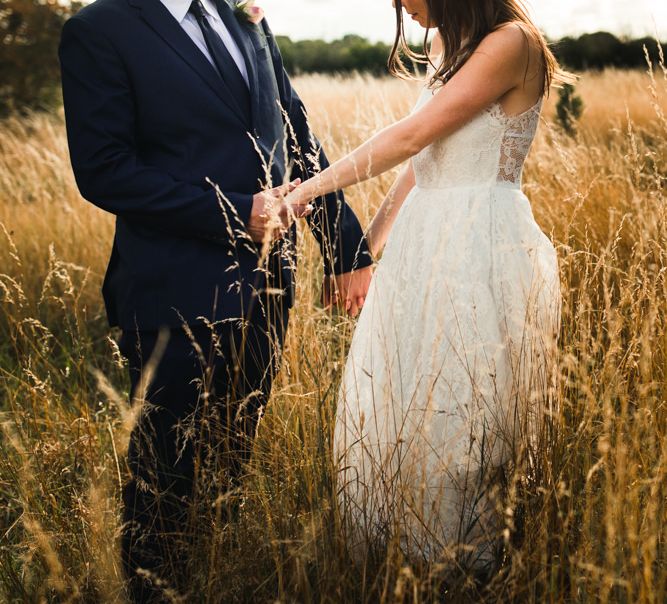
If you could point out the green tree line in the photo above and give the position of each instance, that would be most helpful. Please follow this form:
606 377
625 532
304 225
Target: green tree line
29 69
30 31
353 53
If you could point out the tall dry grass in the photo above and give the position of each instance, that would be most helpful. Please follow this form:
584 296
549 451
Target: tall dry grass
589 525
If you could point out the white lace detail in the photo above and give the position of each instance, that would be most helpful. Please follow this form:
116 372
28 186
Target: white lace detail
490 149
519 133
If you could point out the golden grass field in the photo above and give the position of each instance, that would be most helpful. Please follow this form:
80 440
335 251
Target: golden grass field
589 525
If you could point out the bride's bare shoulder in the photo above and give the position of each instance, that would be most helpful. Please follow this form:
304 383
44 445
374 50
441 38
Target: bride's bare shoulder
509 39
515 45
513 39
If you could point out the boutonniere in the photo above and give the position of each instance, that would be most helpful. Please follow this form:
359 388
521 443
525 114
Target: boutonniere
247 12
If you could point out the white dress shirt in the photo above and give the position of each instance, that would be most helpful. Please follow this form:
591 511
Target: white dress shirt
179 10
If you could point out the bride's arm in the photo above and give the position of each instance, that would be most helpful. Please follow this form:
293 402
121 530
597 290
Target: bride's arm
496 67
381 225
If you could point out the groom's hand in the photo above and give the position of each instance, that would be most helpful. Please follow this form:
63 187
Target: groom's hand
348 290
271 217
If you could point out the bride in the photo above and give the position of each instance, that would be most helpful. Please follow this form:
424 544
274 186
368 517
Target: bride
448 365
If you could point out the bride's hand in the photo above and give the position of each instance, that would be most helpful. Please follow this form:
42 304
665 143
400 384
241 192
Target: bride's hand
296 198
296 205
305 193
272 216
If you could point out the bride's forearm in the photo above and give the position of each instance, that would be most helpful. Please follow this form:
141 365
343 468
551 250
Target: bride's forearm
380 227
386 150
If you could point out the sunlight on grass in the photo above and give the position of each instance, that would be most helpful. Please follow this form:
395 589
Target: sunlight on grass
587 523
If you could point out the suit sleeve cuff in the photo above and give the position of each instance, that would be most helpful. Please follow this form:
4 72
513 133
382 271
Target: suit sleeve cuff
351 259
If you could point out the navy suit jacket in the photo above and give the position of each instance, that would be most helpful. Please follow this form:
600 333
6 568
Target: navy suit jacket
152 128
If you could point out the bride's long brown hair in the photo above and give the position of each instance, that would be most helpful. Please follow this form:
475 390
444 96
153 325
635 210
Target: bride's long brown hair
463 24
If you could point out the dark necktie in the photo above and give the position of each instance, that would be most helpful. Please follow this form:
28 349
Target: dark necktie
225 64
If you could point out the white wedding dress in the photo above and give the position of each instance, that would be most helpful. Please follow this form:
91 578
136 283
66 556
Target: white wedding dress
448 367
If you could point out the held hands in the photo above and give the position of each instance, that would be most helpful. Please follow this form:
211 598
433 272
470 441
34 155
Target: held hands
347 291
305 193
273 213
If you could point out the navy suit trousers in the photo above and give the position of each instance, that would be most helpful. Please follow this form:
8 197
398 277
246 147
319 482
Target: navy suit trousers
194 435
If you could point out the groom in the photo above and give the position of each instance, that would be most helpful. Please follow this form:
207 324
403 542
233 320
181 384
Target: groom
163 100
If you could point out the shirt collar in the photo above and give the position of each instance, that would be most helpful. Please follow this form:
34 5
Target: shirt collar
179 8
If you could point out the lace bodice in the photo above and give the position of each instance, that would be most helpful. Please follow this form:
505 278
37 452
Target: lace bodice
490 149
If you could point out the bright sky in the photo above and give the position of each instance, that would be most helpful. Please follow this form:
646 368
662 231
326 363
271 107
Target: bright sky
374 19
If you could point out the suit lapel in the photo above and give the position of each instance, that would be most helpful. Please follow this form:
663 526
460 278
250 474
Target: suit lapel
159 19
244 43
